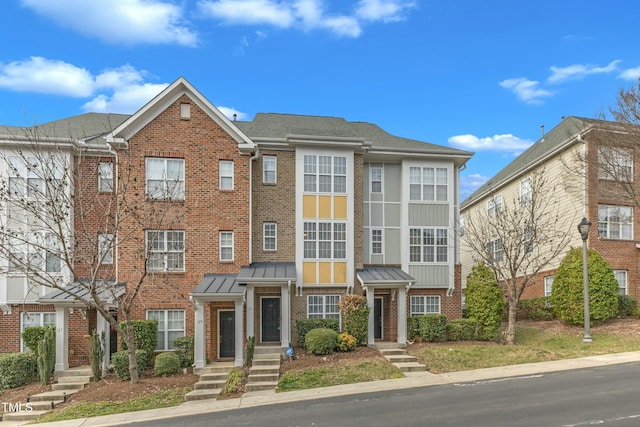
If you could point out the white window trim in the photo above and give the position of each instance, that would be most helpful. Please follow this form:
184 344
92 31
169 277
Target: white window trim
623 290
435 245
168 193
166 345
607 234
333 241
423 183
424 299
316 173
222 175
265 237
106 239
525 191
41 323
371 181
105 180
548 285
494 205
165 252
221 234
325 304
623 160
381 241
265 180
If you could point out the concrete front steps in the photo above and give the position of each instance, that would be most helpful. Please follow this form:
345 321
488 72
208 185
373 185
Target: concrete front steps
68 382
265 369
402 360
212 379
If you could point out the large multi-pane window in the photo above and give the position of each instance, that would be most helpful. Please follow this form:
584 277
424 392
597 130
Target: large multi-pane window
226 174
269 169
621 277
325 240
525 192
270 236
428 184
226 246
615 222
376 241
165 250
615 163
105 176
36 319
323 307
428 245
165 178
376 179
170 327
325 174
425 304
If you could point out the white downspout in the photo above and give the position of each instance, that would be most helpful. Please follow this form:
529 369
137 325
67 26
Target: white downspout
251 159
584 175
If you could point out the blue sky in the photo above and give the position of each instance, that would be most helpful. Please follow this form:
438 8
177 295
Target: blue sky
479 76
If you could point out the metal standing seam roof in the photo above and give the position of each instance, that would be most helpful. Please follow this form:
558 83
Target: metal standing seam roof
267 272
218 284
382 275
78 291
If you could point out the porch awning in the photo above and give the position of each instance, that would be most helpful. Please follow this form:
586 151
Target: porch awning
77 293
384 276
218 286
268 272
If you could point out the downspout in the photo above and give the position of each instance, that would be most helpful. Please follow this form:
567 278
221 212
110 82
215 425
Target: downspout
251 159
584 175
289 320
117 215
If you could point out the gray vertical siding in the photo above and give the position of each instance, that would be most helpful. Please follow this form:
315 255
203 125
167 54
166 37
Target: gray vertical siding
429 214
430 276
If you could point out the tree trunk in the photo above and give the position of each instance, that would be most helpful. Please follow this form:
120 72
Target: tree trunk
131 348
510 333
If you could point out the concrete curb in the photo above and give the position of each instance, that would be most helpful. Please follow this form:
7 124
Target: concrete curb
413 379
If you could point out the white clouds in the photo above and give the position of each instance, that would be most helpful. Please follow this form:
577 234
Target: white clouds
42 75
504 142
120 21
631 74
306 15
578 71
229 112
525 89
470 183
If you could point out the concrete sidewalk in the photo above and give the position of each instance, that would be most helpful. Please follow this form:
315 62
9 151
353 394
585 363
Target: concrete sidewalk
417 379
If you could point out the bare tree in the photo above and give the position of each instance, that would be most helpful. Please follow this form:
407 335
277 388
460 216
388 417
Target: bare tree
518 238
69 207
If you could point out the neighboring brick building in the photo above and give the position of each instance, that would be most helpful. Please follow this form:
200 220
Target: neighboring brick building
592 166
247 226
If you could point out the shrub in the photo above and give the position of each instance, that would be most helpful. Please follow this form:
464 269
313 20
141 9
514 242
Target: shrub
346 342
626 305
413 328
567 292
305 325
145 335
17 369
462 330
321 340
355 316
32 336
484 300
636 312
234 382
537 308
251 348
184 351
46 355
120 361
96 354
433 327
167 364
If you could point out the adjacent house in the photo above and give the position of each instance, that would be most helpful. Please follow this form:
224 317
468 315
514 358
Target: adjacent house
590 165
237 229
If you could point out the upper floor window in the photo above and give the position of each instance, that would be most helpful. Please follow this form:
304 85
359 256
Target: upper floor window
226 246
525 192
615 222
165 178
615 163
428 245
548 284
226 174
428 184
325 174
105 176
323 307
269 169
105 248
495 250
165 250
270 233
325 240
621 277
376 179
376 241
425 304
494 205
527 239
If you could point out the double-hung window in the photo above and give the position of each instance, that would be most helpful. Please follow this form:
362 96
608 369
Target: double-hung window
323 307
226 246
428 245
105 176
615 222
325 174
376 179
494 205
525 192
325 240
165 250
36 319
269 169
270 236
376 241
548 285
170 327
105 248
165 178
425 304
621 277
495 250
615 163
226 174
428 184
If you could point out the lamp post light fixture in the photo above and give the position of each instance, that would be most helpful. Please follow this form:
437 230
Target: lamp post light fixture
584 228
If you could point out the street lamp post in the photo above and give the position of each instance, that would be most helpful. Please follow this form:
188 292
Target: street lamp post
584 228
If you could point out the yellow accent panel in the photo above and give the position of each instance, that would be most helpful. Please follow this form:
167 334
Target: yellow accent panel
309 272
325 272
340 207
309 206
324 207
340 272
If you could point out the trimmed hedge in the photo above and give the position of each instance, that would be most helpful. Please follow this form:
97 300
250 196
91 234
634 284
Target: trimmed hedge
184 351
321 341
17 369
306 325
537 308
433 327
462 330
145 335
167 364
120 361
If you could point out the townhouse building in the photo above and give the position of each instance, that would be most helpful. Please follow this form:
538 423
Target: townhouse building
590 165
249 226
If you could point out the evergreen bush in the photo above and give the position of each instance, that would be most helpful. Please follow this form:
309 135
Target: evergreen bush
167 364
462 330
120 361
626 306
251 348
433 327
145 335
305 325
537 308
17 369
32 335
484 300
46 355
96 354
321 341
184 349
355 316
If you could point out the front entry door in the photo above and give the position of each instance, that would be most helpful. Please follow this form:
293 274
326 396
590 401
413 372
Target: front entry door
377 318
270 319
227 333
